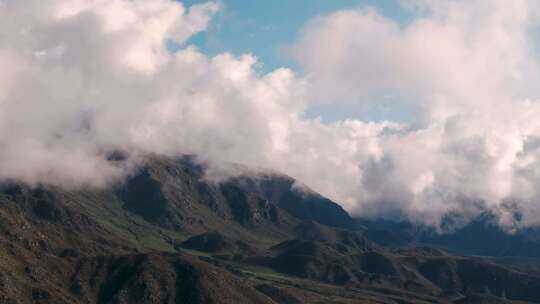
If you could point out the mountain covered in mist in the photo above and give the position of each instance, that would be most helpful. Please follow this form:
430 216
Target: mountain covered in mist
166 235
420 110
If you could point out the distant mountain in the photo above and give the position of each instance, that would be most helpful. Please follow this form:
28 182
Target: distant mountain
167 235
482 236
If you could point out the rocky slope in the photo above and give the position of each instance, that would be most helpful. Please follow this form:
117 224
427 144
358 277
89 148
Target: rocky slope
166 235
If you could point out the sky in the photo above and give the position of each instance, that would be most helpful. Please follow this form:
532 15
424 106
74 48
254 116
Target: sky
264 28
410 109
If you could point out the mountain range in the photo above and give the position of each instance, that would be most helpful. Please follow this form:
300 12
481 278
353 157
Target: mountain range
168 235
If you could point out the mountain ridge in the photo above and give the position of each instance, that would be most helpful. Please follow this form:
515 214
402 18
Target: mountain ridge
167 235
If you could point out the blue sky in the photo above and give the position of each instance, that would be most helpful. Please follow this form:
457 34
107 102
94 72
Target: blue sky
264 27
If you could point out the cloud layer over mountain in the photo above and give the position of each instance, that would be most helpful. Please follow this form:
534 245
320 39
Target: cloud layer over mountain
82 78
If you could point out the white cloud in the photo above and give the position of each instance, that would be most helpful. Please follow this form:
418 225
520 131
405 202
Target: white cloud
82 78
468 68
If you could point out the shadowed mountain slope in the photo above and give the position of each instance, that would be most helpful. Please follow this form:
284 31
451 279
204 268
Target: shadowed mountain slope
167 235
481 236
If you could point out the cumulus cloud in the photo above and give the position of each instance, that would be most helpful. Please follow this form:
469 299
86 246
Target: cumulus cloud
468 69
82 78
